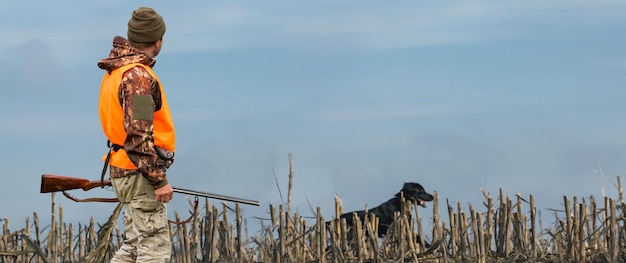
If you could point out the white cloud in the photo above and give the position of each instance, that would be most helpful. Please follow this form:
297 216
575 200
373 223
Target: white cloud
326 25
357 26
368 114
35 124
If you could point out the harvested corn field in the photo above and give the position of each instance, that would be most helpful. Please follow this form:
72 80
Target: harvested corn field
508 230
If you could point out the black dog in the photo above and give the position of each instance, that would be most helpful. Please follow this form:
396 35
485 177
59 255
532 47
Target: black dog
412 192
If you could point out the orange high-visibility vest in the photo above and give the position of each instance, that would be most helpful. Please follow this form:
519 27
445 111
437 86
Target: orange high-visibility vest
112 117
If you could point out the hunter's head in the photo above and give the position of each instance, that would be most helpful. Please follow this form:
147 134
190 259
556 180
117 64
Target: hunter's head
146 28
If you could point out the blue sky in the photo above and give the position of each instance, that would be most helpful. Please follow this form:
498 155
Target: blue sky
459 96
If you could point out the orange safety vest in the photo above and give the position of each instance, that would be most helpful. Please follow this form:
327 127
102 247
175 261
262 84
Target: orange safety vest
112 117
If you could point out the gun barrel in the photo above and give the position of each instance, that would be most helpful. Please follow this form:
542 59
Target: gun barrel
217 196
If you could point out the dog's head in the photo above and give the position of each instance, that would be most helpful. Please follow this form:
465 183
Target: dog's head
414 192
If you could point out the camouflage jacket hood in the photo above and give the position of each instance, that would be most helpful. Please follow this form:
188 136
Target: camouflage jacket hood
123 54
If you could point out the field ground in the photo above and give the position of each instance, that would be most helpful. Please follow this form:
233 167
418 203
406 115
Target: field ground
508 230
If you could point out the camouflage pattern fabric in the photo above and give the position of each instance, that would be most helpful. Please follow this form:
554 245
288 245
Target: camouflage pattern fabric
146 228
137 83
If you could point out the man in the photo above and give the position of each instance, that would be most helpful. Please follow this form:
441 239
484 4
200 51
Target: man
136 120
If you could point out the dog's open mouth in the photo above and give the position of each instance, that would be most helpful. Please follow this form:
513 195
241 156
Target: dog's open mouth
419 201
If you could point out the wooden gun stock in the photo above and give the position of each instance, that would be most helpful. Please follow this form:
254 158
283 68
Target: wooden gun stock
55 183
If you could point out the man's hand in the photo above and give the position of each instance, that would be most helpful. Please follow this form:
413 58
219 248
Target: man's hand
164 194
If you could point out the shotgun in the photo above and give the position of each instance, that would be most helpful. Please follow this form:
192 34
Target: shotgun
55 183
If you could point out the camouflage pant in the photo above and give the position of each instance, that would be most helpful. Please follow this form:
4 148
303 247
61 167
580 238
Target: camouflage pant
146 228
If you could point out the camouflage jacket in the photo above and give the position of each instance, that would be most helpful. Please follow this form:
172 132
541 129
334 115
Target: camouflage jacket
139 144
